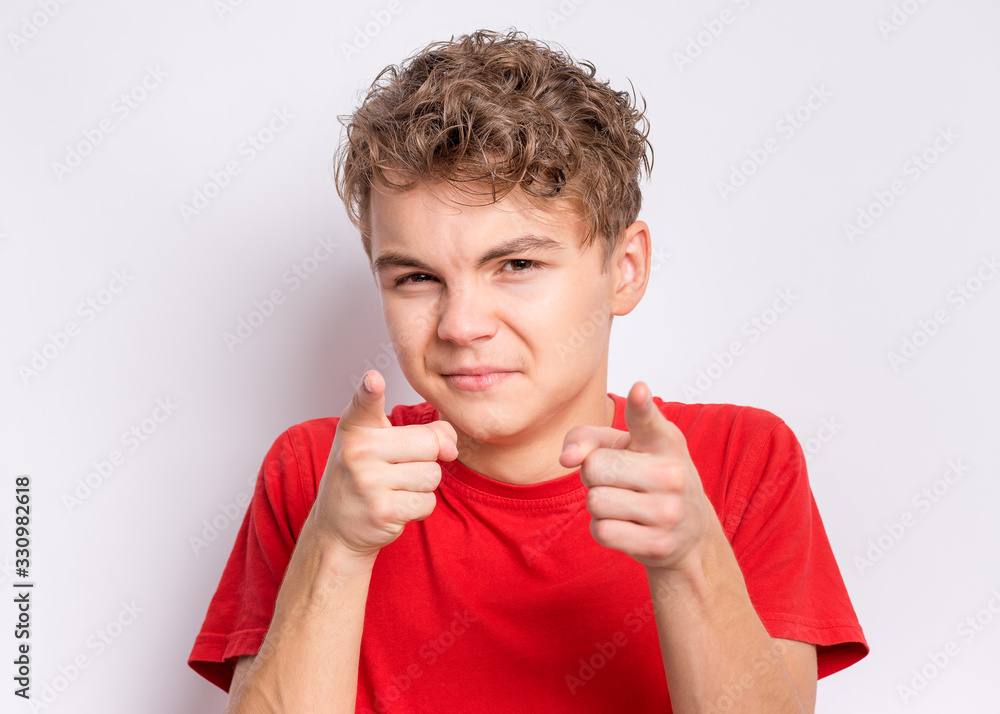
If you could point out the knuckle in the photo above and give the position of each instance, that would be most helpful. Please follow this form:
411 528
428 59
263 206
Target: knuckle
667 512
424 440
432 477
430 441
675 477
382 510
352 450
609 495
593 499
663 547
603 530
365 480
421 505
606 465
618 462
412 503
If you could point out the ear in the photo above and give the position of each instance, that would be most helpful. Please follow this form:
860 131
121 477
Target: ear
630 268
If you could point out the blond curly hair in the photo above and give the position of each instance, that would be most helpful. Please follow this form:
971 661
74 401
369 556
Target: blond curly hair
489 112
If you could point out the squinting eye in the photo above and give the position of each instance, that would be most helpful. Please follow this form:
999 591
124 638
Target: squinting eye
521 264
423 278
518 265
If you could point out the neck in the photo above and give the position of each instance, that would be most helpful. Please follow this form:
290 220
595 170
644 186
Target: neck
533 457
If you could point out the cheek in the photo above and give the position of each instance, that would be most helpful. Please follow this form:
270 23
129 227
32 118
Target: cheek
408 328
575 329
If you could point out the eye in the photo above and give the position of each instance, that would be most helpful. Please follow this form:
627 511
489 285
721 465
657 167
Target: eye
412 278
521 265
516 265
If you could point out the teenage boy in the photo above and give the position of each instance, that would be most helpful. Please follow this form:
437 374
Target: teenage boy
523 540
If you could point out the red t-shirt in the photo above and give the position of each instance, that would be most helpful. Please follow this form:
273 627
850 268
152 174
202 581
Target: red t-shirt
501 600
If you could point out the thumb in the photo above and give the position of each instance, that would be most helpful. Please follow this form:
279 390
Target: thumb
649 430
367 406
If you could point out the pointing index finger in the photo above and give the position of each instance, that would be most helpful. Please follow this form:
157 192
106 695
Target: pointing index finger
651 431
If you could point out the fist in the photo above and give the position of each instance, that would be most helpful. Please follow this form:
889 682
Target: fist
379 477
644 493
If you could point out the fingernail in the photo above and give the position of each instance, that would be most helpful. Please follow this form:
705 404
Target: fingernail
368 385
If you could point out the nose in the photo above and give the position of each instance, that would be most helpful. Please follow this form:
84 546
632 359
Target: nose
467 314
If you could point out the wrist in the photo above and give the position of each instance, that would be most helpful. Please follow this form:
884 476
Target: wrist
693 573
687 578
339 558
334 557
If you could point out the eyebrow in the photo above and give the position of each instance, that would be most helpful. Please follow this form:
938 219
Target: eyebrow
521 244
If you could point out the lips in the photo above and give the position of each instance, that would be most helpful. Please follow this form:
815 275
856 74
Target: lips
487 369
478 378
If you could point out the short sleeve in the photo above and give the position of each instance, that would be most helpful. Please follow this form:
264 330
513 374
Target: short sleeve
241 609
790 571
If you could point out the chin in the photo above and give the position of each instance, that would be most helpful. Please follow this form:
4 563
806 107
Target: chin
482 418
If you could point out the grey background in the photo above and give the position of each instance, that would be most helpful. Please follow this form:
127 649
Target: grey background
890 87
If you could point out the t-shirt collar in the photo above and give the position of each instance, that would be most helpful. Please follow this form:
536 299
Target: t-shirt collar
553 488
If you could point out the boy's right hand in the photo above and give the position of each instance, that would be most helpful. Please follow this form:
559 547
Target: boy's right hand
379 477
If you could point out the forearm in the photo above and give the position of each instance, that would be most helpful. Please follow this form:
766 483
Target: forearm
716 653
308 661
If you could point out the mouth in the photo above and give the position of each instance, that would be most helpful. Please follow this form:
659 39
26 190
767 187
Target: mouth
478 378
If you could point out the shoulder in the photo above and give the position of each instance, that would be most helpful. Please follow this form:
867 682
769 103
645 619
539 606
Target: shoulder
721 426
742 453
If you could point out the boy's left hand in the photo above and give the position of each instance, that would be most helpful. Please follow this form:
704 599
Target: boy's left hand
645 494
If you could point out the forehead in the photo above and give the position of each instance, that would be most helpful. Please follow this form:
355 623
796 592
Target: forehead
440 212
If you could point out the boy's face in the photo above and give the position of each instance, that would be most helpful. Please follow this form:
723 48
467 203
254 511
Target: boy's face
498 318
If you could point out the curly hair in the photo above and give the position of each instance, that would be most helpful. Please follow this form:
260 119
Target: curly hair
499 112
